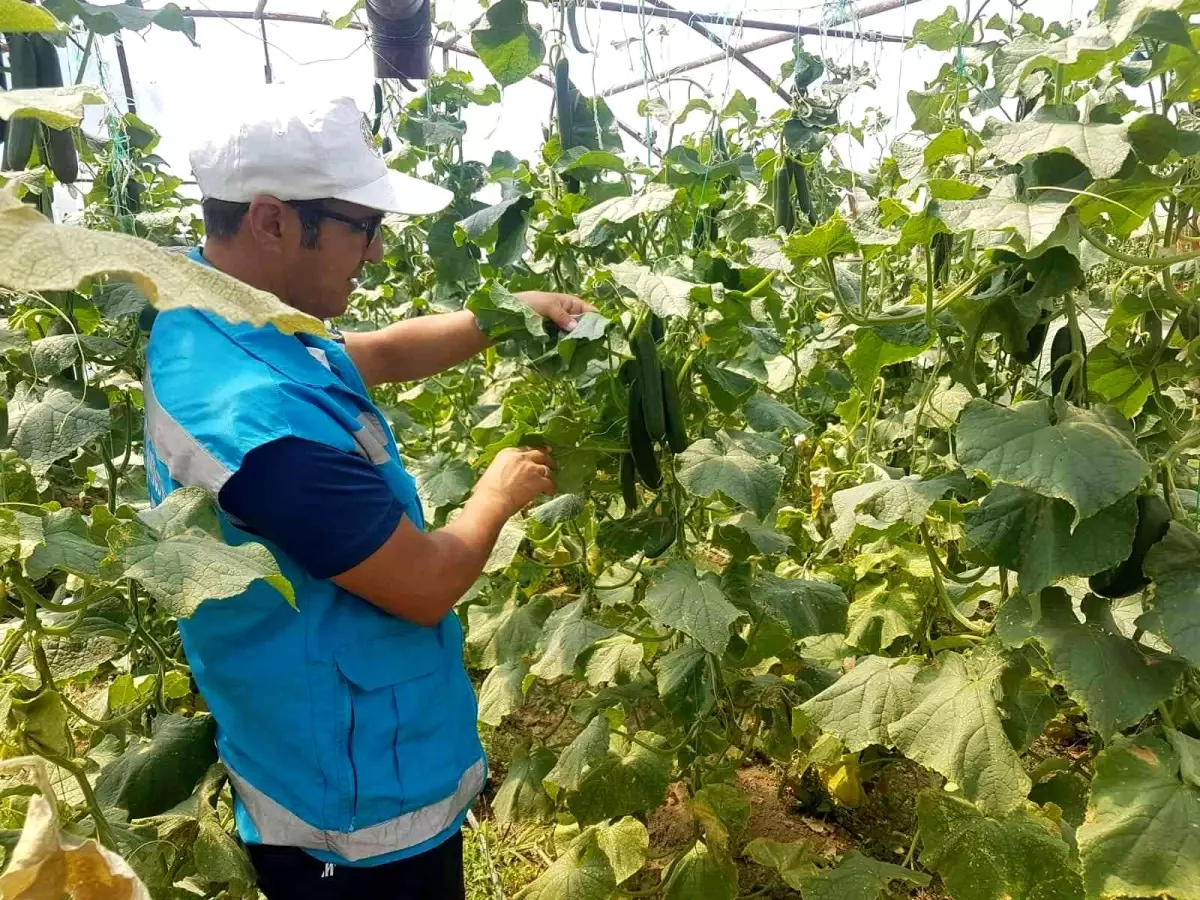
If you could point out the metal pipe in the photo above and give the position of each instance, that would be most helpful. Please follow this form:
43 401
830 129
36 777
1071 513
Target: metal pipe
857 14
697 64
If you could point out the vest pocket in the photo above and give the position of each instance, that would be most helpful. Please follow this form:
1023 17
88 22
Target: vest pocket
394 683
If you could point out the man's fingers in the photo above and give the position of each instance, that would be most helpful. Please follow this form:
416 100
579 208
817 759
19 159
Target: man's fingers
562 317
541 457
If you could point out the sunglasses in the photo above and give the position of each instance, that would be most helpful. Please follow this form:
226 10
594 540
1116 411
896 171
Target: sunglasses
315 211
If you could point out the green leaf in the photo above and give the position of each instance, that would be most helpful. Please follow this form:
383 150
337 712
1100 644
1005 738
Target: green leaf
1174 565
480 223
1022 857
502 693
881 614
587 750
153 775
1154 138
54 107
18 17
522 798
1102 148
666 295
765 538
583 872
506 547
701 874
1032 535
723 811
562 508
954 727
509 46
624 784
706 468
858 877
1031 218
827 239
875 348
626 843
75 656
1086 457
614 659
1089 658
652 199
1027 704
695 605
863 703
793 862
502 316
565 636
169 280
182 510
765 413
219 858
1141 837
47 424
109 18
184 571
806 607
683 682
499 633
67 547
877 505
442 480
946 32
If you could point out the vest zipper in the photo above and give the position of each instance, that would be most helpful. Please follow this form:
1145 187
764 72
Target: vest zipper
353 770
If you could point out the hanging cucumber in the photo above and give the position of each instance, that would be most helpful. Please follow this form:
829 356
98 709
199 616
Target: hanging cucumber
803 196
564 105
1035 340
677 438
640 445
60 142
22 66
781 195
1060 364
1123 579
1151 325
658 330
942 244
573 29
378 120
1189 323
649 377
629 482
654 551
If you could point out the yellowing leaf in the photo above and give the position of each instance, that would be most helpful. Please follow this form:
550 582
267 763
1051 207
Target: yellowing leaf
17 16
843 781
37 255
57 107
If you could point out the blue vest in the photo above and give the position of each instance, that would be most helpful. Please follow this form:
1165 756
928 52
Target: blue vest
346 731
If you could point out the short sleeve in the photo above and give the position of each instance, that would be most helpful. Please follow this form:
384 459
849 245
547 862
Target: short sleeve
327 509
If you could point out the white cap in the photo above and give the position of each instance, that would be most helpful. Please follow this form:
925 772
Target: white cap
293 146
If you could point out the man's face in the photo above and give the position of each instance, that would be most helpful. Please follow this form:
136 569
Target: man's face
320 277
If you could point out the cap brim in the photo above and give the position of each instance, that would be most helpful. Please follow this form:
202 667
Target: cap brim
396 192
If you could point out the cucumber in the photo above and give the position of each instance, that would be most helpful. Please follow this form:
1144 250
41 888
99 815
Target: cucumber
803 196
629 482
1062 346
942 243
1152 324
781 193
1189 323
649 377
677 438
377 91
564 103
658 329
1035 340
60 142
1123 579
657 550
640 445
573 30
22 65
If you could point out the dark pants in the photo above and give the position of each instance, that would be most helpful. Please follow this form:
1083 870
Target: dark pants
288 873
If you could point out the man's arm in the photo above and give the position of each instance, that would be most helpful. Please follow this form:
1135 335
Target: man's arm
421 347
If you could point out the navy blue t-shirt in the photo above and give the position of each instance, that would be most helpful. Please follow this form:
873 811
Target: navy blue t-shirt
326 509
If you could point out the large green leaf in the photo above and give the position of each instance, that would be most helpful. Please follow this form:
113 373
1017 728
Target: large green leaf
565 636
583 872
793 862
707 468
442 480
830 238
954 727
46 424
498 633
882 613
55 107
109 18
614 659
858 877
765 413
153 775
1083 456
626 843
683 681
1102 148
877 505
1174 565
1089 658
1032 218
1031 535
701 874
875 348
723 812
522 797
37 255
502 692
1022 857
509 46
67 547
666 295
944 32
694 604
1141 837
863 703
652 199
624 784
806 607
588 749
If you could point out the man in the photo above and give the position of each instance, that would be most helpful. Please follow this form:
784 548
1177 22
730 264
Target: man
347 723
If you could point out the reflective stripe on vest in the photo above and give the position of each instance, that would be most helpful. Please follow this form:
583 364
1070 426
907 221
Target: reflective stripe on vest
279 827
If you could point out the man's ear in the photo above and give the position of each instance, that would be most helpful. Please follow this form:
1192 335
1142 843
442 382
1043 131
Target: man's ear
269 223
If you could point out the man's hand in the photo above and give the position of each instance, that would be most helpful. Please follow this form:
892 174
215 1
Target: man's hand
515 477
560 309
